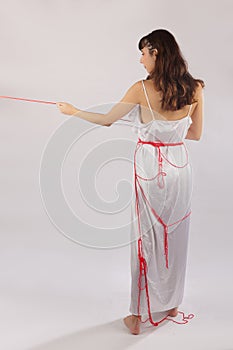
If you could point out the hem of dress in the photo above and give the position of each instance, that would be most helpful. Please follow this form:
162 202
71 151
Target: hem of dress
133 312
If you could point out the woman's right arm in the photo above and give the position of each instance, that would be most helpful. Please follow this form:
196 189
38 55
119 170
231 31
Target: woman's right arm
195 129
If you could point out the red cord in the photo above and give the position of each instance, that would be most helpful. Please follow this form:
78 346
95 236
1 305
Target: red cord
26 99
142 261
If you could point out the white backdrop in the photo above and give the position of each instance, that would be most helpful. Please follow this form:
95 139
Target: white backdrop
55 293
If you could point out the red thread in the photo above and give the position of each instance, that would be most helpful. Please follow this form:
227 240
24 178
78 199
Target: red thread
26 99
142 260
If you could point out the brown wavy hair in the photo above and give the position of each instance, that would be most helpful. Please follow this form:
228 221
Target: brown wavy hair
170 75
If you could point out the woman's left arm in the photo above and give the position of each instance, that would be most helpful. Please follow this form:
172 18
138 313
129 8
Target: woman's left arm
124 106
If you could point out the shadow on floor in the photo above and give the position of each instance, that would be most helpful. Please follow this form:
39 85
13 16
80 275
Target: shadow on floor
109 336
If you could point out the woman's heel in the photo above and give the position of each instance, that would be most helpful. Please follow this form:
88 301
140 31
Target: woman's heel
173 312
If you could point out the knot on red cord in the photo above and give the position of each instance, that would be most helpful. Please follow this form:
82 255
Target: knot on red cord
142 260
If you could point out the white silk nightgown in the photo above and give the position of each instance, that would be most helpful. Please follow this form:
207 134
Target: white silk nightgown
163 189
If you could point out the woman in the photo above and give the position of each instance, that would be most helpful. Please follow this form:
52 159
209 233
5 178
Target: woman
163 189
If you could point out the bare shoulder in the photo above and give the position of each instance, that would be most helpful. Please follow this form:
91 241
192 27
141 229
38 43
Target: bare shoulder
132 95
198 92
137 86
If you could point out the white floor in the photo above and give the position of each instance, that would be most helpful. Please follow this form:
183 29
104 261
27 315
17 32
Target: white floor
58 295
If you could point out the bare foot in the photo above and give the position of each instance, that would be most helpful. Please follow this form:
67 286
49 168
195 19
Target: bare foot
173 312
133 323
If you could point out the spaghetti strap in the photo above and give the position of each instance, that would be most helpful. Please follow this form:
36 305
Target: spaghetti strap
189 109
147 99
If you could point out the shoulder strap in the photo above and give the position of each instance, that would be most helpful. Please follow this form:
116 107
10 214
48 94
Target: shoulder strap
147 99
190 109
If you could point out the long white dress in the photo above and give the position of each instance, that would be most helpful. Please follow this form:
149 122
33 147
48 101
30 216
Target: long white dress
160 211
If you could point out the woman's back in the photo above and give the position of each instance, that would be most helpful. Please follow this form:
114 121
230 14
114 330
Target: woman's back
154 98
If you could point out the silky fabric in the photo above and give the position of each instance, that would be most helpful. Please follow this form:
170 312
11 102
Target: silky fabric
169 194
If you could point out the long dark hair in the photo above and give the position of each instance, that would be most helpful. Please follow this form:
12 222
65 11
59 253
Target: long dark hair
170 75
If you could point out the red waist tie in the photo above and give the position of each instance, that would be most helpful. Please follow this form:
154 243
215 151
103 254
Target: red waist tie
160 159
142 261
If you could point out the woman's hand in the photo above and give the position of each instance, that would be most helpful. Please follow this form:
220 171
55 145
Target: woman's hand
66 108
